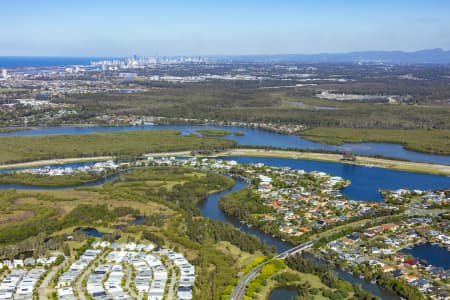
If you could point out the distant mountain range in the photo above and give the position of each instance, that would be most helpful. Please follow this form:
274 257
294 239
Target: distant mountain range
429 56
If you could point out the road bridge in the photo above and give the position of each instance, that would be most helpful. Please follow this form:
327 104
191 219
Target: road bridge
239 289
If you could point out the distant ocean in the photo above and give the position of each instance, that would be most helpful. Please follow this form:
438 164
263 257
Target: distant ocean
44 61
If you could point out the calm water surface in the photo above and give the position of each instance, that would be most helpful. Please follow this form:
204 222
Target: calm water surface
433 254
283 294
210 209
365 181
257 137
365 184
92 232
43 61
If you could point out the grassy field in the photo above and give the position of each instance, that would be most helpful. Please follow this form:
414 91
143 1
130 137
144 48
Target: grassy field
28 148
242 258
304 278
163 195
149 190
429 141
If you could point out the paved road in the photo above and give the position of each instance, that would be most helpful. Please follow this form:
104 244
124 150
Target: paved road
86 272
79 283
44 289
128 272
239 290
173 280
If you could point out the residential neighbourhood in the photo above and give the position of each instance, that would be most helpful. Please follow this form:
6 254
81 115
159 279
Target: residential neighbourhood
22 277
129 271
385 248
418 198
225 150
103 271
296 202
97 167
300 202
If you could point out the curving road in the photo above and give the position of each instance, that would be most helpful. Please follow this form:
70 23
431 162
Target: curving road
239 289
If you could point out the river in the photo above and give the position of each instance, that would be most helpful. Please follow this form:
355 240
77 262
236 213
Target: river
365 184
434 255
365 181
257 137
210 209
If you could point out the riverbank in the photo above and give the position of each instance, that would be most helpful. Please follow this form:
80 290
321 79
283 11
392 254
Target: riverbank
63 161
47 162
42 178
420 140
415 167
13 129
252 137
359 160
15 149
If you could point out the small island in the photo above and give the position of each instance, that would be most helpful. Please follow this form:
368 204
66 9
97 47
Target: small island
213 132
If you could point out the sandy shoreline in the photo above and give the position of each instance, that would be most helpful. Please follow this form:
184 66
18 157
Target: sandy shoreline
399 165
330 157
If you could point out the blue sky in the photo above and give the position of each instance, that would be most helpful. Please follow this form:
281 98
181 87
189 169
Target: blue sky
230 27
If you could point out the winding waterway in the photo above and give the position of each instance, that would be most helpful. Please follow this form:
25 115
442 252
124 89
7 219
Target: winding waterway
210 209
365 184
257 137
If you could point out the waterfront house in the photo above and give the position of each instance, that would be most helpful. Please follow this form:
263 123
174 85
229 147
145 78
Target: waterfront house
388 268
389 227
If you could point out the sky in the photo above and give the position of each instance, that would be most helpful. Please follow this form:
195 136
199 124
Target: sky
226 27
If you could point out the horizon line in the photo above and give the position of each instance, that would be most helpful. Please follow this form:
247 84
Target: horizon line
228 55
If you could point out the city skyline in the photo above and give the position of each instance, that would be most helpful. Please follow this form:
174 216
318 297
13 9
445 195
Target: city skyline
172 28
